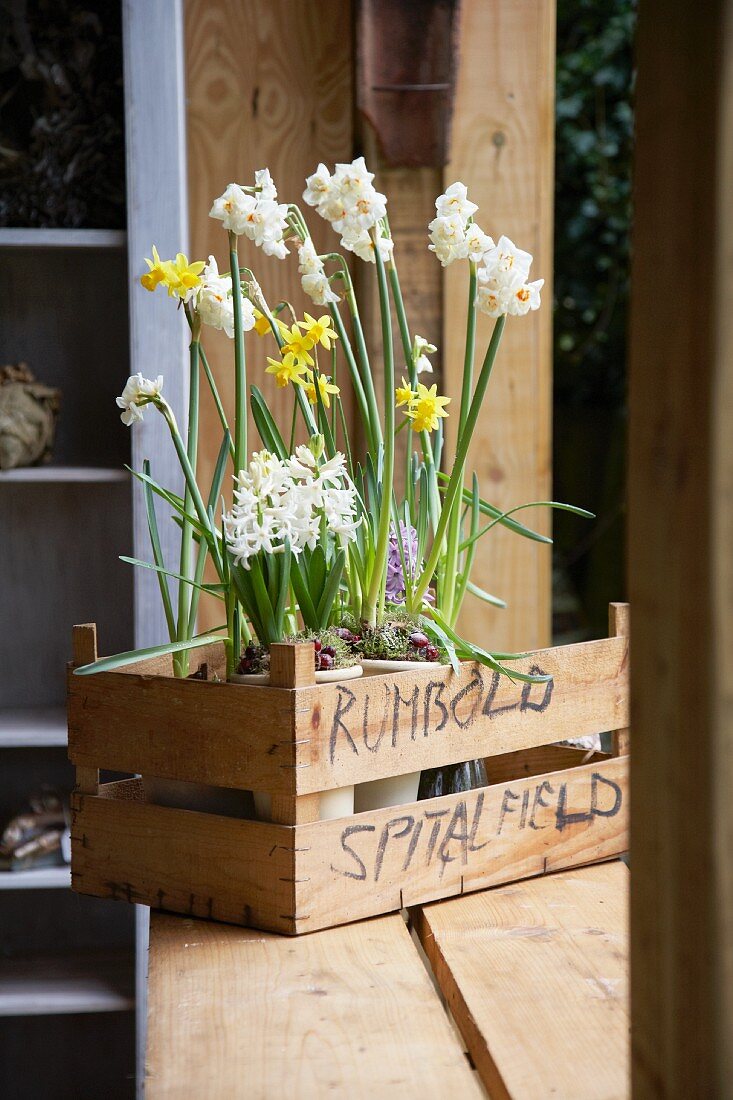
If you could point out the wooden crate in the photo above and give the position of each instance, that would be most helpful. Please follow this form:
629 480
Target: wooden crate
548 807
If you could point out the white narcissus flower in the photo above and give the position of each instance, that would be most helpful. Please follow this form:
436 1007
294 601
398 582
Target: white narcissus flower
503 286
448 238
362 245
477 242
506 264
232 208
258 217
138 392
421 349
215 304
525 298
350 202
455 201
313 277
318 289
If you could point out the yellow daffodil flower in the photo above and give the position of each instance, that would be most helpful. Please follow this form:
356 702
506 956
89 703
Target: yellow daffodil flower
320 331
299 344
262 325
325 386
403 394
157 271
182 277
427 408
286 370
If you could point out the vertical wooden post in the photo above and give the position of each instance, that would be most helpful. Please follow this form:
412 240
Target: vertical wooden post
268 84
618 627
503 150
292 666
681 566
84 652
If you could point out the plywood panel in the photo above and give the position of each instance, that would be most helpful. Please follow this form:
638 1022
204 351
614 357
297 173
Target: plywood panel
346 1013
268 84
502 149
536 975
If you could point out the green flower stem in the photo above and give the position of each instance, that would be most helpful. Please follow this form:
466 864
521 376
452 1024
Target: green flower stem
355 378
427 450
455 485
240 363
191 485
450 605
185 592
366 373
215 395
380 554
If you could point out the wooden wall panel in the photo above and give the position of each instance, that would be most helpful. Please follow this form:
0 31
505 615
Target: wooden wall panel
269 83
680 559
502 149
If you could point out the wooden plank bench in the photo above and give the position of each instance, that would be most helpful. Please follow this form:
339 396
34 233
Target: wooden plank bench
534 973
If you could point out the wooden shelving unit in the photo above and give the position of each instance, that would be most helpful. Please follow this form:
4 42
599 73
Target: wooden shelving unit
62 957
66 985
50 475
39 878
63 238
32 727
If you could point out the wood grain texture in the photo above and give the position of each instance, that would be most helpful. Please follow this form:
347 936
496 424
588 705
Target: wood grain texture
618 627
680 571
502 149
348 1013
383 860
536 976
269 83
380 726
299 741
201 864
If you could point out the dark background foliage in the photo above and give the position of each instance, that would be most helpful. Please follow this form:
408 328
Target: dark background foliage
61 114
594 127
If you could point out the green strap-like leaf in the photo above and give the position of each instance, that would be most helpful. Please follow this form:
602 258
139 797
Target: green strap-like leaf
268 430
119 660
158 554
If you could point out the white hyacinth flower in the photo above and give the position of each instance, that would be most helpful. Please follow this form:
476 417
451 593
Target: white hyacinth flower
285 502
137 393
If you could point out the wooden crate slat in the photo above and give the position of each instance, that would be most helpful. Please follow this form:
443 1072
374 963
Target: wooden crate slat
385 859
536 977
201 864
309 739
211 732
386 725
351 1013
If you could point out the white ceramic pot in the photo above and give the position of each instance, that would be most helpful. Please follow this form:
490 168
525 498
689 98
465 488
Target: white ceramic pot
386 792
200 797
331 676
377 668
332 804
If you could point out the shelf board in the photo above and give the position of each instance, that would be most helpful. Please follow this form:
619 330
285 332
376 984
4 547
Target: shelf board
32 727
55 474
39 878
62 238
65 985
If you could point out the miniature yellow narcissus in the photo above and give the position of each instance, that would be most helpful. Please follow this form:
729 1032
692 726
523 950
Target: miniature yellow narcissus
426 409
